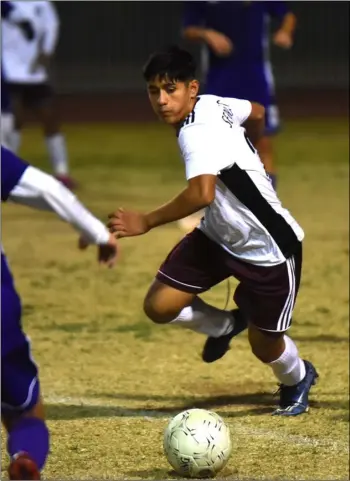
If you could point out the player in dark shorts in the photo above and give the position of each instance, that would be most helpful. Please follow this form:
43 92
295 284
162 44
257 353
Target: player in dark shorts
245 233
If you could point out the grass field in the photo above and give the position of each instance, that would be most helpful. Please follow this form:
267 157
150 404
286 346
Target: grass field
112 380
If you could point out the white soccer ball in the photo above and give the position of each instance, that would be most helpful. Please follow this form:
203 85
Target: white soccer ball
197 443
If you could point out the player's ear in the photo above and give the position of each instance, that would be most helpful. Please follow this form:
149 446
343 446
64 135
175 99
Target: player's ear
194 88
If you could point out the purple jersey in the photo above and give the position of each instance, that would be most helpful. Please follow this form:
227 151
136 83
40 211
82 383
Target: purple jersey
246 73
244 23
12 169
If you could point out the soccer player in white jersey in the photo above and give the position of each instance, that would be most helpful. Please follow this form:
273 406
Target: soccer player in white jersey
22 411
26 70
245 232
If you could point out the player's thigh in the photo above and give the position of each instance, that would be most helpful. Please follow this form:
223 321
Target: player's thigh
193 266
16 92
267 295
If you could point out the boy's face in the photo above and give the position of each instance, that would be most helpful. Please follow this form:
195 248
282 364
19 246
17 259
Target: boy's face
172 100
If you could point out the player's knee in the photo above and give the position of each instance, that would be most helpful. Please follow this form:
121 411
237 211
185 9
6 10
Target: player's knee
264 344
51 127
157 311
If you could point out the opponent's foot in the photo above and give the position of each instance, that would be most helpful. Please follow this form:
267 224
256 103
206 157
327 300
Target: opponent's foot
216 347
294 400
22 467
67 181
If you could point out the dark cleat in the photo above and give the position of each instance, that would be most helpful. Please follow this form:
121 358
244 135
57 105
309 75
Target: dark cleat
294 400
216 347
23 467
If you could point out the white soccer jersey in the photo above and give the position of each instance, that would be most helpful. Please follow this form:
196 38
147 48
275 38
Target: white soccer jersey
246 217
18 53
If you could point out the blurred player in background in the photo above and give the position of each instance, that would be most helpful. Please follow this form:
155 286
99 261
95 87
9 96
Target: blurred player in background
22 408
236 59
26 68
18 17
245 233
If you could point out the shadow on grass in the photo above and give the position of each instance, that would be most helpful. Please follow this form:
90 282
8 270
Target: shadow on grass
256 404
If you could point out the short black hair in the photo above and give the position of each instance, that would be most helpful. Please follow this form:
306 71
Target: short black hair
172 63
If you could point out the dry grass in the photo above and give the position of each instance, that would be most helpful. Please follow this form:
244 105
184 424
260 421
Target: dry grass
112 380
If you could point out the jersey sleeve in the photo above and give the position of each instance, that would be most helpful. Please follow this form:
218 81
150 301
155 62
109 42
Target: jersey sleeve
39 190
193 14
241 109
12 169
199 150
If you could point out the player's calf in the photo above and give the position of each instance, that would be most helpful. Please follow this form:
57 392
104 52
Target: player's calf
27 457
295 375
22 412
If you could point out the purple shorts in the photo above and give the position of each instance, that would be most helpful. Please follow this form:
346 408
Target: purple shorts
265 295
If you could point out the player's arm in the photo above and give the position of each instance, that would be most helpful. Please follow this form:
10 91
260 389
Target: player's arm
49 38
199 193
288 21
198 148
194 29
52 25
255 123
27 185
249 115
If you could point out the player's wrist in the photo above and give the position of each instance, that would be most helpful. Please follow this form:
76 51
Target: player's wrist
149 221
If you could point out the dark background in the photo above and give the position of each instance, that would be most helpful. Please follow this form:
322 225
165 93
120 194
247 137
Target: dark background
103 45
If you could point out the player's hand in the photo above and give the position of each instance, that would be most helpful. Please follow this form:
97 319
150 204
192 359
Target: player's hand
283 39
42 60
107 253
219 43
127 223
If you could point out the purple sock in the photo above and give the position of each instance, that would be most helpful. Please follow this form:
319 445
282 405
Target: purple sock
31 436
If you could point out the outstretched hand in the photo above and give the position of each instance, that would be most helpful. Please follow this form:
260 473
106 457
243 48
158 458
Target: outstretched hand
127 223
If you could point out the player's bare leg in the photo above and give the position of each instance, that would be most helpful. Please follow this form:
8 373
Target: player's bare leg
27 457
265 149
19 119
164 304
295 375
55 141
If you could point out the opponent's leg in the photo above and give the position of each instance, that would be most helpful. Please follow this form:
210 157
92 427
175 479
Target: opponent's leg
45 108
23 414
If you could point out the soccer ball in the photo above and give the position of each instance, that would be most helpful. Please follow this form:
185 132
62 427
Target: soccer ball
197 443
